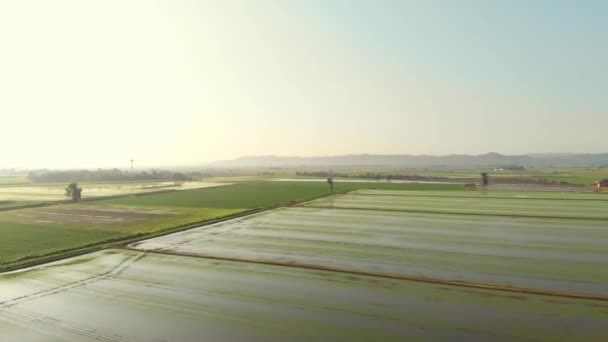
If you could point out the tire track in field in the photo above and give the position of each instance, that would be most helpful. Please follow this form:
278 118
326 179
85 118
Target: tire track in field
26 320
6 306
118 269
422 279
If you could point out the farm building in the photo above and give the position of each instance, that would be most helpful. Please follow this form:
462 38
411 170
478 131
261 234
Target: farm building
602 183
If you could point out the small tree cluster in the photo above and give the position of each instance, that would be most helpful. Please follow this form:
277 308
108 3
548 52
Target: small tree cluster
330 181
485 178
73 191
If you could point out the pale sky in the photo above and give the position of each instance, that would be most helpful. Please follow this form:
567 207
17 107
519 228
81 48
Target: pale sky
96 83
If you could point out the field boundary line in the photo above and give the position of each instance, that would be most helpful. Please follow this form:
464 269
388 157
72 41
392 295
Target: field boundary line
481 286
459 213
482 197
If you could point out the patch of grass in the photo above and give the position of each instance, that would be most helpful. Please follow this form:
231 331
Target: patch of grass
30 233
253 195
23 240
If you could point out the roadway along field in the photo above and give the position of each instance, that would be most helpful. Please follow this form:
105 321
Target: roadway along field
462 202
127 295
535 253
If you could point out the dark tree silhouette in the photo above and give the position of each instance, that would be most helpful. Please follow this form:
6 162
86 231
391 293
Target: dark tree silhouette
485 178
73 191
330 181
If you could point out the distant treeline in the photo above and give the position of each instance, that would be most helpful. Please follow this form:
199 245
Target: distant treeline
513 167
111 175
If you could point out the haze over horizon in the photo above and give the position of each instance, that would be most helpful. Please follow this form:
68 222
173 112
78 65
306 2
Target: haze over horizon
94 84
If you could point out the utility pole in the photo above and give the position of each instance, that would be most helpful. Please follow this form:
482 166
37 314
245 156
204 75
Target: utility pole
131 165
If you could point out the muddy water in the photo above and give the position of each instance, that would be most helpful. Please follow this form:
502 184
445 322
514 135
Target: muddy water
126 295
543 254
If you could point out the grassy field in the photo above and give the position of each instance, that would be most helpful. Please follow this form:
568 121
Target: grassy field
262 194
28 240
27 234
126 295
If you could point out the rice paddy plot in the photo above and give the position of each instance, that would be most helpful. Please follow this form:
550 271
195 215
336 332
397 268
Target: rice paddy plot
128 295
56 191
532 253
467 204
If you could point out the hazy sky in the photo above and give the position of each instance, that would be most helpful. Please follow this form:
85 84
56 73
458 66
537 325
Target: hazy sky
95 83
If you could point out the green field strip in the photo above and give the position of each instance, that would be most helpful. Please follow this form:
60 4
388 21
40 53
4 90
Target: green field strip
493 194
547 208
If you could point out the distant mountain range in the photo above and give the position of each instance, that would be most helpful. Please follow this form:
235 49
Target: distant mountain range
488 160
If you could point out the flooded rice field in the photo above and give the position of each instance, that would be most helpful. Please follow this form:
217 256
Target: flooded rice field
118 295
550 254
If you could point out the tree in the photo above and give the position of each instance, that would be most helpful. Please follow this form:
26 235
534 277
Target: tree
73 191
485 178
330 181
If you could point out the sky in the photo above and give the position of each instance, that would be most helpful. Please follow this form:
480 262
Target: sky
97 83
